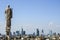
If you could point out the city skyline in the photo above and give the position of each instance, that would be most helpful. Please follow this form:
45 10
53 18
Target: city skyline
32 14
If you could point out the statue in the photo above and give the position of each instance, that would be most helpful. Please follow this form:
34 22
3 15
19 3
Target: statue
8 13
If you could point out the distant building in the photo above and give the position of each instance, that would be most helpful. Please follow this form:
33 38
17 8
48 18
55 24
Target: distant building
10 33
42 32
23 32
17 33
37 33
14 33
34 34
0 33
50 32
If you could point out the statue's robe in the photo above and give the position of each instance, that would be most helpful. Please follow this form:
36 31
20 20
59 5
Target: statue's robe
8 13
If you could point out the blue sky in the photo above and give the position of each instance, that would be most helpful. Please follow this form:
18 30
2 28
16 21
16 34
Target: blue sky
32 14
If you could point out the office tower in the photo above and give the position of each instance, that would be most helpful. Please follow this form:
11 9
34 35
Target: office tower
14 33
10 34
42 32
37 32
34 34
50 32
17 33
24 32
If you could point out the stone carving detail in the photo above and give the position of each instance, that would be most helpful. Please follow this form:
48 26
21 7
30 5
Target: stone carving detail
8 13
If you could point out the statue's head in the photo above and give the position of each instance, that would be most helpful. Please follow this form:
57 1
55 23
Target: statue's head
8 6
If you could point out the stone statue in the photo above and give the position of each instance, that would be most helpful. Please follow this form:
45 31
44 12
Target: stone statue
8 13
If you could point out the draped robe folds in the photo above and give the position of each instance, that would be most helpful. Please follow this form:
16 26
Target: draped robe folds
8 13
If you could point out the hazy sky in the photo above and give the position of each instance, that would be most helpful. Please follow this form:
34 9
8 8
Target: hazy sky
32 14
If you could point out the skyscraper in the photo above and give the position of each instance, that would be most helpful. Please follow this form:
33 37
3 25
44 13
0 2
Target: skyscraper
22 31
42 32
34 34
37 32
17 32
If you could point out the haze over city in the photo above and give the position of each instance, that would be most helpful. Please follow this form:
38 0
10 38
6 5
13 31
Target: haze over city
32 14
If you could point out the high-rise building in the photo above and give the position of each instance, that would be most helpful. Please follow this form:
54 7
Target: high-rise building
50 32
10 33
34 34
17 32
37 32
22 32
14 33
42 32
